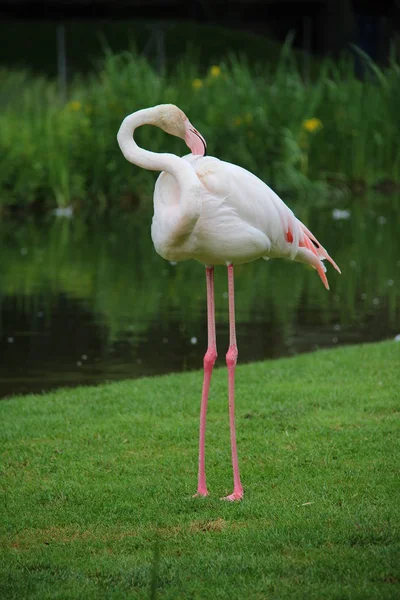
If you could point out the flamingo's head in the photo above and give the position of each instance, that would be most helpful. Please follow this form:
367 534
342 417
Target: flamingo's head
173 120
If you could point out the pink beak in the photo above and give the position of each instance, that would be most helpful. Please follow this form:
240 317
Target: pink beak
194 140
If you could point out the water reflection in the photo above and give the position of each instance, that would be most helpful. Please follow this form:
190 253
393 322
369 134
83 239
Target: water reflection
84 304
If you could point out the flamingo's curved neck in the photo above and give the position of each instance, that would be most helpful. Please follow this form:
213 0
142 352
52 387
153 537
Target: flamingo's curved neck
153 161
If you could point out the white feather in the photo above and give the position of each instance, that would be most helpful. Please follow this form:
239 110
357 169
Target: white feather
241 218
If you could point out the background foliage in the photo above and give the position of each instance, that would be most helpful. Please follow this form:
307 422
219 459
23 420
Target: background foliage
313 139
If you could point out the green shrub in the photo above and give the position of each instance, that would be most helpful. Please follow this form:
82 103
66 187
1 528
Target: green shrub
301 138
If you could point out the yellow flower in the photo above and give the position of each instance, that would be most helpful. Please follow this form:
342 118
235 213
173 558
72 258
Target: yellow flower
215 71
197 84
238 121
74 105
248 118
312 125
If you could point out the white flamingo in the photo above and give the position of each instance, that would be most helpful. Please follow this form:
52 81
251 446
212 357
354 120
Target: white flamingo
219 214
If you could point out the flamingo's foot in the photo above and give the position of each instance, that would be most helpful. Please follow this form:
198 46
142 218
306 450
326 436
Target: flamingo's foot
201 493
235 496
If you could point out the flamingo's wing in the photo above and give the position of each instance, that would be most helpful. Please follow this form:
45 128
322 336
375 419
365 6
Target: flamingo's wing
251 199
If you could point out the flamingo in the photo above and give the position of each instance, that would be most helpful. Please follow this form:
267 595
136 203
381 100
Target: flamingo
219 214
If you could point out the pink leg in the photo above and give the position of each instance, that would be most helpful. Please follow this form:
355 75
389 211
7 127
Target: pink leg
209 360
231 358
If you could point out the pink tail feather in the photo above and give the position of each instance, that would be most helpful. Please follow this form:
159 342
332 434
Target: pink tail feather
321 273
319 250
310 251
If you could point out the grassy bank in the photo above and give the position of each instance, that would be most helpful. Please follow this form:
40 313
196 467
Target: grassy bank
97 483
305 139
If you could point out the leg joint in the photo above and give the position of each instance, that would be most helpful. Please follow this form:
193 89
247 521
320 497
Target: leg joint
231 356
210 357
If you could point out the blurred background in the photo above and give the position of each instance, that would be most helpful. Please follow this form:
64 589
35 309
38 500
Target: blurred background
303 94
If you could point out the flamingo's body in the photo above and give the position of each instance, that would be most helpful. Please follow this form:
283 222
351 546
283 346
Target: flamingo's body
218 214
241 220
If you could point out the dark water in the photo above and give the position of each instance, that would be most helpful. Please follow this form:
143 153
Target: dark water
84 305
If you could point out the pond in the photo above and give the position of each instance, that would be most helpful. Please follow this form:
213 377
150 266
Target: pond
87 304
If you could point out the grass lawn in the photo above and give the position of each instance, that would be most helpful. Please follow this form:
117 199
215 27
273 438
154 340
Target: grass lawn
97 483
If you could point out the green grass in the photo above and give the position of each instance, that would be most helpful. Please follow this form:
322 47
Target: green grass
57 154
97 483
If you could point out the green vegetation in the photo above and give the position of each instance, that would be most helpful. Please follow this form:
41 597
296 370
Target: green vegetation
304 139
97 482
